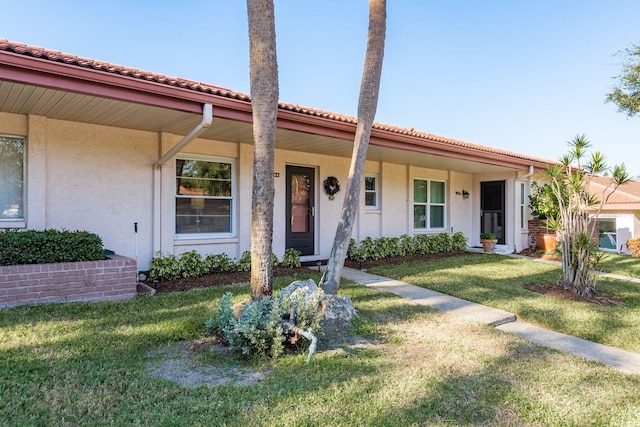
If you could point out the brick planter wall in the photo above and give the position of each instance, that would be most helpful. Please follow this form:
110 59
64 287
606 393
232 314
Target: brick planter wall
111 279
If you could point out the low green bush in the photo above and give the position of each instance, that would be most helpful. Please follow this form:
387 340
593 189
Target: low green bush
244 263
219 263
291 258
422 244
166 267
191 264
49 246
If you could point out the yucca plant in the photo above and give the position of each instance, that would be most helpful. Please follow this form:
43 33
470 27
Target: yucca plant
575 227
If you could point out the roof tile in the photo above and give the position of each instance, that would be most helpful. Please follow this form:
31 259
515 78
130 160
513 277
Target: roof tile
52 55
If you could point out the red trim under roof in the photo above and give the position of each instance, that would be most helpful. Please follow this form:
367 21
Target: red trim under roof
52 69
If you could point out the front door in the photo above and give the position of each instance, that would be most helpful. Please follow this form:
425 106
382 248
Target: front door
300 209
492 208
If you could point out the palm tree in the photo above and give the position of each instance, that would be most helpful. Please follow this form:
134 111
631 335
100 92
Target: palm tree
263 66
367 105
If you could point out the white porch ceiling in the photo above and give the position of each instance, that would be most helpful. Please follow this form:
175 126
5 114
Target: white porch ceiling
61 105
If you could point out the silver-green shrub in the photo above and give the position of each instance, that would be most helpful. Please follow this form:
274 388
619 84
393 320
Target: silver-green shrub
222 319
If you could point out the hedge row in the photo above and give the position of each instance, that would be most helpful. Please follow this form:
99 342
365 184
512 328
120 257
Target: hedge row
421 244
48 246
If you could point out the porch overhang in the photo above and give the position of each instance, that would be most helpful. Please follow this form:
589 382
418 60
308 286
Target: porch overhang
103 94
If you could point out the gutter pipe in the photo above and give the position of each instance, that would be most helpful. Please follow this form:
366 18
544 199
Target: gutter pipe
207 119
515 191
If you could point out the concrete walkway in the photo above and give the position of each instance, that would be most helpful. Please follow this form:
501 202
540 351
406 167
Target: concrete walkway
624 361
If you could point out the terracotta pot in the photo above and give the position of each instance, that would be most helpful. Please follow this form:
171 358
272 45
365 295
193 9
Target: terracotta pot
546 242
489 245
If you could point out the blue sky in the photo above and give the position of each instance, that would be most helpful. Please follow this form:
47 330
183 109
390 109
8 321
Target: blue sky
525 76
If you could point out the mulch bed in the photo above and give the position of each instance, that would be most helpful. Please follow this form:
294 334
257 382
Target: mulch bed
365 265
218 279
243 278
558 292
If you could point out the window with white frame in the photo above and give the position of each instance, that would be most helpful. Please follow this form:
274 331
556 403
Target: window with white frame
429 204
371 191
204 196
523 206
12 152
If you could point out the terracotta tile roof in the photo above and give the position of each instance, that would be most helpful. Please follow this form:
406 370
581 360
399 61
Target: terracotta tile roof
625 198
73 60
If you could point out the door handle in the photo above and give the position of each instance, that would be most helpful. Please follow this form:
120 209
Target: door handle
313 211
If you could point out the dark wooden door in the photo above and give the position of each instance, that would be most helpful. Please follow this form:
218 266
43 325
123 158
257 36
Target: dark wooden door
300 209
492 208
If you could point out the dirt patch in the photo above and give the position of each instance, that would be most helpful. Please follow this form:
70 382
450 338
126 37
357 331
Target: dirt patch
180 361
558 292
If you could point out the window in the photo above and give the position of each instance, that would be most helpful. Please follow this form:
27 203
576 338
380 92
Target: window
371 191
12 151
608 233
523 206
428 204
204 196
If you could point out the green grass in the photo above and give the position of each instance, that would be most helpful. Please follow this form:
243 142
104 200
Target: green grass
86 364
623 265
497 281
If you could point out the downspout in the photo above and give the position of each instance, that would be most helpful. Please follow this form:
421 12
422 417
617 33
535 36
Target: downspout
515 217
207 118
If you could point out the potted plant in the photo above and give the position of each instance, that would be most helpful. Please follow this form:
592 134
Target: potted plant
488 241
545 207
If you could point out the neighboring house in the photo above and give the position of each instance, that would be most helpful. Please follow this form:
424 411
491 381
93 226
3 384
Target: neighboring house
89 145
619 219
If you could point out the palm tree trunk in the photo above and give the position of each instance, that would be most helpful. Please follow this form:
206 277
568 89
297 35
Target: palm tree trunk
367 106
263 66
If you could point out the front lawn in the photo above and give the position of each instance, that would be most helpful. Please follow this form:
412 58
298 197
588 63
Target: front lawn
624 265
498 281
91 364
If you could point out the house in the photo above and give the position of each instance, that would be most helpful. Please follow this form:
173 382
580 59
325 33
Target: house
156 163
619 219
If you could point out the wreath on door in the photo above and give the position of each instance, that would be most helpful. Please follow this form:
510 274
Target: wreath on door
331 187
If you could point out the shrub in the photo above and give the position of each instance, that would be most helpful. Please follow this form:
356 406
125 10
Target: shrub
219 263
258 332
48 246
305 306
165 267
422 244
244 263
191 264
353 252
459 241
291 258
387 247
369 250
222 319
441 243
634 247
406 246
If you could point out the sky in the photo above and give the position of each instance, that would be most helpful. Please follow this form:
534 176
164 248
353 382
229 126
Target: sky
525 76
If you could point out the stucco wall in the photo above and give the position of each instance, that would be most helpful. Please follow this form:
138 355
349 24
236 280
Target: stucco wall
99 179
102 179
